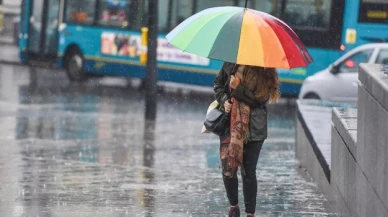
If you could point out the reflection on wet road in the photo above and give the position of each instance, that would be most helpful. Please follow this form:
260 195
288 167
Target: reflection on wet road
85 150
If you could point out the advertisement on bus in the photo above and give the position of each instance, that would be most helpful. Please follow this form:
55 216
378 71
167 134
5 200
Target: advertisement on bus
129 45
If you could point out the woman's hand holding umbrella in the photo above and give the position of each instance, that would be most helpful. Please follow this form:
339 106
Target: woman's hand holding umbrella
234 82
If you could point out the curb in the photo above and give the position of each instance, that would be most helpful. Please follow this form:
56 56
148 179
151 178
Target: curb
6 43
10 62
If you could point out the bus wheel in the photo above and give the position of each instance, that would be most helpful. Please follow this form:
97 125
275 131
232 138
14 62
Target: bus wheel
74 66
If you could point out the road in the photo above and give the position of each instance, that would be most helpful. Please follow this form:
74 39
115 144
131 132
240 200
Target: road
84 150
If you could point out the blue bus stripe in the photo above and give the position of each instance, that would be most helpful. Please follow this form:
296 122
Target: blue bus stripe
178 68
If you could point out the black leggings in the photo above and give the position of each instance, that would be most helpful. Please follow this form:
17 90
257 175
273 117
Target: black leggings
250 158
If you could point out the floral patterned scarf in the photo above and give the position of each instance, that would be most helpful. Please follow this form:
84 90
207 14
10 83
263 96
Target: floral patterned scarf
232 145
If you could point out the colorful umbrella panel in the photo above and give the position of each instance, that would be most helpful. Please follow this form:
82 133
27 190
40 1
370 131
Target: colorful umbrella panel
242 36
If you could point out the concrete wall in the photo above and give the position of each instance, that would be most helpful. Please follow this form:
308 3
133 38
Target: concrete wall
15 3
11 10
8 25
309 160
372 145
344 168
358 184
360 147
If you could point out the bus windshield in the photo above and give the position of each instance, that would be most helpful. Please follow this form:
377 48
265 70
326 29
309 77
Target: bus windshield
308 14
373 11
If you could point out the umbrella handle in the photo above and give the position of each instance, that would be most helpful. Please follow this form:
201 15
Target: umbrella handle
233 72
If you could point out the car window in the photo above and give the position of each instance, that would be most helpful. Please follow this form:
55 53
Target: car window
351 63
382 58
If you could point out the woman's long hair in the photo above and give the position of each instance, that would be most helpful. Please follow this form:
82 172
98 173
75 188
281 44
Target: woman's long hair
266 82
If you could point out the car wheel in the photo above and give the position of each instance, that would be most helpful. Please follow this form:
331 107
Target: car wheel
311 96
74 63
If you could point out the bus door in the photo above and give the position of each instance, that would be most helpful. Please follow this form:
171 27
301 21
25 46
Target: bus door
23 26
43 28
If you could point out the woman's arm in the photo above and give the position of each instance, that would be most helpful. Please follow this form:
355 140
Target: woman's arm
219 84
243 94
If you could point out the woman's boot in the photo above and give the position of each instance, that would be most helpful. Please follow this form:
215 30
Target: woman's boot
234 211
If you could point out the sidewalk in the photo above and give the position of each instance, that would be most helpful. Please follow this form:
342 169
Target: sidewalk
9 53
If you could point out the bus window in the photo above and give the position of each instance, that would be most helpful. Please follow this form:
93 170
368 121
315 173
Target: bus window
177 10
204 4
373 11
113 13
318 23
308 13
138 14
80 12
269 6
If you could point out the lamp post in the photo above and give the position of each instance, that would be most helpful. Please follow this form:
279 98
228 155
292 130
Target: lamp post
151 78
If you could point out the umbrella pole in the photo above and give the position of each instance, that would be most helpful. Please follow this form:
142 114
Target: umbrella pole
246 3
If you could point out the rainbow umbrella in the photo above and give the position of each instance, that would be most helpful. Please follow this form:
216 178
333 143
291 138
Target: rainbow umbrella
240 35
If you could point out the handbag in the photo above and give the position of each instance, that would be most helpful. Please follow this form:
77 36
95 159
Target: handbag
217 120
212 106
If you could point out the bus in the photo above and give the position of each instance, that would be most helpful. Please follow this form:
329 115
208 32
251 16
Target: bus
104 36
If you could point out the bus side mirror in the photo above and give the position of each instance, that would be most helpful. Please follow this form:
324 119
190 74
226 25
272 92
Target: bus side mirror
334 69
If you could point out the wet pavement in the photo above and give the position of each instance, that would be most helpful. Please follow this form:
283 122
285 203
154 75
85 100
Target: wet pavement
85 150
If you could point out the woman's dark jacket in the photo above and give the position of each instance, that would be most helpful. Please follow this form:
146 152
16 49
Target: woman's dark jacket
258 116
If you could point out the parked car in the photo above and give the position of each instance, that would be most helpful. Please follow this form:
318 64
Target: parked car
339 82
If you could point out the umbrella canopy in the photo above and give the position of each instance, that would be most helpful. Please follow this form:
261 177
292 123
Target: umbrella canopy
242 36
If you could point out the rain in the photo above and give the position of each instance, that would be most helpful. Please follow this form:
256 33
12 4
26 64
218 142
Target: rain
101 111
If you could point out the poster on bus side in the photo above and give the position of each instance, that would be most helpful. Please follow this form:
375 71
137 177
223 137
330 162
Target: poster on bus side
168 53
129 45
120 44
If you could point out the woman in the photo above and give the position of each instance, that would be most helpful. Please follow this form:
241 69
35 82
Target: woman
250 89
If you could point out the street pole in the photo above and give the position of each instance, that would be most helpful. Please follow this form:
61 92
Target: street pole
150 101
151 78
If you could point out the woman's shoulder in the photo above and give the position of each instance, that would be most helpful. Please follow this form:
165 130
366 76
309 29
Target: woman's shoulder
227 67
